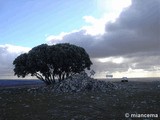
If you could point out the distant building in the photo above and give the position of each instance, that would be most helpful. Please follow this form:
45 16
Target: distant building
109 76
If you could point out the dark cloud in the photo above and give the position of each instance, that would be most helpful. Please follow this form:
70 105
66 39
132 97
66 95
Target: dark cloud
147 63
109 66
135 36
135 31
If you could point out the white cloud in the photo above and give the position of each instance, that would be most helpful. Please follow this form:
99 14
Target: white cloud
14 49
97 26
7 54
117 60
135 73
119 6
53 39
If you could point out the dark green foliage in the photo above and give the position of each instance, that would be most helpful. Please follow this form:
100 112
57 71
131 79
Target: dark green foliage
48 63
21 65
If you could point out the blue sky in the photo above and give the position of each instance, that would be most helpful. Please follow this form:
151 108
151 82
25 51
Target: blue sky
121 37
27 22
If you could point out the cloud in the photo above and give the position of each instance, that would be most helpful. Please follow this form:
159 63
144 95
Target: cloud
7 54
141 65
97 26
136 30
133 36
87 33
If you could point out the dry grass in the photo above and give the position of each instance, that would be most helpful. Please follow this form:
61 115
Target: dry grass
133 97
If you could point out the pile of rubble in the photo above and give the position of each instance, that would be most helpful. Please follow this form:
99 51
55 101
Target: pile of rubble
81 83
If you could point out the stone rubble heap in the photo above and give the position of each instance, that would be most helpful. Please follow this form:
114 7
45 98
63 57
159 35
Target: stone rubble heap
81 83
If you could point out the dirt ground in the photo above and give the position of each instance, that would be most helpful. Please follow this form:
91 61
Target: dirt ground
32 103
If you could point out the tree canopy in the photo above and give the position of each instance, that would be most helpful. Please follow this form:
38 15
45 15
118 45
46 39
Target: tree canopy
49 63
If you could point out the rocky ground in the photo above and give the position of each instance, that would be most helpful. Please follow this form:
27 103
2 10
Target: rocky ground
64 102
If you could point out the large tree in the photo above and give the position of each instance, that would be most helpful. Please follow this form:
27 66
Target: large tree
49 63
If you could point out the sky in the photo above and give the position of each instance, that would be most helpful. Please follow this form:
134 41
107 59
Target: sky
121 37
